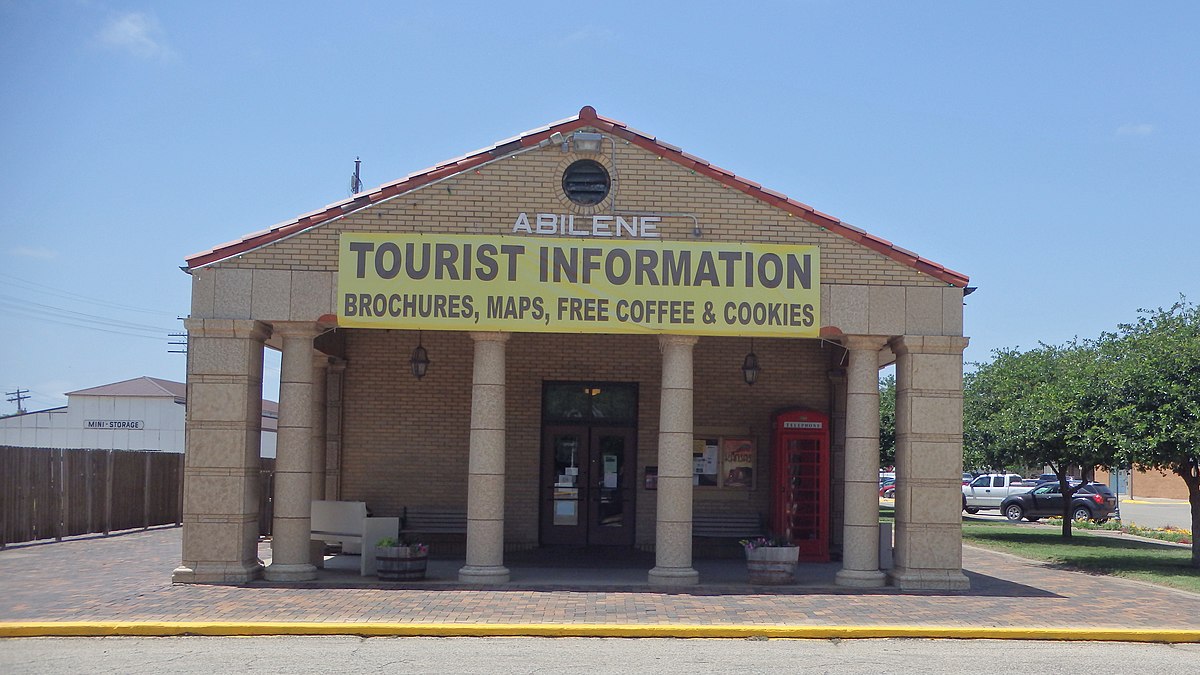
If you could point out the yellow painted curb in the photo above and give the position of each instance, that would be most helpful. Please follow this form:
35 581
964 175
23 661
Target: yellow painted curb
216 628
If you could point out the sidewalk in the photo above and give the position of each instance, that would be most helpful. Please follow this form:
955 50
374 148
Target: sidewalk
121 585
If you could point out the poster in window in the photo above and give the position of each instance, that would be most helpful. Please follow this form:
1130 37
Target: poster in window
651 478
704 462
737 462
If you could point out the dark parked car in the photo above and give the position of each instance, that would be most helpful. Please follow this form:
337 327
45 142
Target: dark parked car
1093 501
1051 478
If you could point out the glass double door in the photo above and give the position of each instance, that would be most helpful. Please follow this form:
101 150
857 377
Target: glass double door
587 486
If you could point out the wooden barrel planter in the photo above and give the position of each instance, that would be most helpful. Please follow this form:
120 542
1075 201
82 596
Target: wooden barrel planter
401 563
772 564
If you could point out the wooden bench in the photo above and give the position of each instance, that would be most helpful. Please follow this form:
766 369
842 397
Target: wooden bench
433 520
727 525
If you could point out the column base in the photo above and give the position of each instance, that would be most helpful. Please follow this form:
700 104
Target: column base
673 576
861 578
929 580
217 573
484 574
282 572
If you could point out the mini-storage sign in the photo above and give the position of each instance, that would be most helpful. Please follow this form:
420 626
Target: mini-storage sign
519 284
135 425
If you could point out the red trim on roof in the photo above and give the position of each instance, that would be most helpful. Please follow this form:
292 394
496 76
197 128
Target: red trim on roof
587 117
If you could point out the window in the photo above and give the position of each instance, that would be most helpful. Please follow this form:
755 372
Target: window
585 402
729 462
586 182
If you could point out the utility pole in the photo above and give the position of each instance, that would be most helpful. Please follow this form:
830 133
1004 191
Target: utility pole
177 340
18 396
180 340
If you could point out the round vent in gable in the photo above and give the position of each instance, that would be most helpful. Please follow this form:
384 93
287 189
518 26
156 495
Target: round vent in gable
586 182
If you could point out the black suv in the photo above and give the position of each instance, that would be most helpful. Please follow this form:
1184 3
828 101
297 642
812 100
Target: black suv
1093 501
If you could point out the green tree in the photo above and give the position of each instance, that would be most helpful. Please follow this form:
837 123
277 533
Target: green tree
1040 407
1155 388
989 391
887 421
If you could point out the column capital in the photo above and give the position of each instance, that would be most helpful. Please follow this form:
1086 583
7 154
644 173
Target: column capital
322 360
490 336
295 329
336 364
871 343
928 344
666 339
227 328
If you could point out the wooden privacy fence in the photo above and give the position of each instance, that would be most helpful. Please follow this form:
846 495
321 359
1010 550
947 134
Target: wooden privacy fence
55 493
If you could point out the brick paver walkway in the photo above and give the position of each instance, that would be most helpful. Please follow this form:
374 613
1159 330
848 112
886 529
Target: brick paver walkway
127 578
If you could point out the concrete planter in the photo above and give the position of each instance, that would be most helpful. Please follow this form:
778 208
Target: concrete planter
772 564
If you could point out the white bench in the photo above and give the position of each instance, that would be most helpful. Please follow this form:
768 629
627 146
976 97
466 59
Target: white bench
347 524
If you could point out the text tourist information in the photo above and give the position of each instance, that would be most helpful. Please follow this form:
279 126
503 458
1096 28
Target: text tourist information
563 285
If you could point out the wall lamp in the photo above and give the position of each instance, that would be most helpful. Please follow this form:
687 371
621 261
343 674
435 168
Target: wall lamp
419 360
586 141
750 367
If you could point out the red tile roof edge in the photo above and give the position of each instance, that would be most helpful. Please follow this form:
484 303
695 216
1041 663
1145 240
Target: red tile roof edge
587 117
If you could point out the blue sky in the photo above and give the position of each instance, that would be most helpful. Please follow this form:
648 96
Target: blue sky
1049 150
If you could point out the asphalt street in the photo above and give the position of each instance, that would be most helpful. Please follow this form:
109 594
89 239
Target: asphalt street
1156 513
563 656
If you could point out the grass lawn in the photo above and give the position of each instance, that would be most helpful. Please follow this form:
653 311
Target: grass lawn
1132 559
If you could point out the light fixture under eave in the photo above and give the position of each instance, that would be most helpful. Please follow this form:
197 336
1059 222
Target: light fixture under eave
419 360
750 365
586 141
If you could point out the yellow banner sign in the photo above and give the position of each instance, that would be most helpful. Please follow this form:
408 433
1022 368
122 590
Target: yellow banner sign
571 285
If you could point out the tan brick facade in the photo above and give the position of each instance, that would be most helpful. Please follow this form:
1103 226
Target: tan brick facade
405 442
488 200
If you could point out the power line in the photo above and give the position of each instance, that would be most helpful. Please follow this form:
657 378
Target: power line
71 295
28 314
70 314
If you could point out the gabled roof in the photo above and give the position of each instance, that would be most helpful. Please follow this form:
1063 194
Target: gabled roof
138 386
587 117
153 387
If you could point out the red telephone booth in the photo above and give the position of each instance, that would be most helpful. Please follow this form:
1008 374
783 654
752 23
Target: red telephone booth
800 480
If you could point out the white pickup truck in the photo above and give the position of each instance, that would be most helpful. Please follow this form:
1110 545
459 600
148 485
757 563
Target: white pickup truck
988 490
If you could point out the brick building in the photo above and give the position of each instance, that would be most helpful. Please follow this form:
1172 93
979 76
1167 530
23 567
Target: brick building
611 326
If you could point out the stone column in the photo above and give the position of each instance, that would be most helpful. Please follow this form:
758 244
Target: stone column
320 365
929 463
673 536
290 531
223 433
334 378
837 458
860 533
485 480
